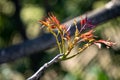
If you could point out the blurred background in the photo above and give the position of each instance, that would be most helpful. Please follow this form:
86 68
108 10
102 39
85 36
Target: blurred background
19 22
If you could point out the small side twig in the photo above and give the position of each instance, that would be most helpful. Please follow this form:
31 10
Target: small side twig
41 70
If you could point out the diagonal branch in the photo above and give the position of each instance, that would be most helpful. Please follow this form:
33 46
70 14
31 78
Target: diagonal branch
109 11
41 70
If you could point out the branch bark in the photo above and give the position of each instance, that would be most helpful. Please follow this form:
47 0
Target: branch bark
109 11
41 70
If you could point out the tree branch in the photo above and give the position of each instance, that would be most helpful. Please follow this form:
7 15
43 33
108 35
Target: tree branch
109 11
41 70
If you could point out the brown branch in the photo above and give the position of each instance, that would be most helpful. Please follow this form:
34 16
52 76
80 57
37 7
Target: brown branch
109 11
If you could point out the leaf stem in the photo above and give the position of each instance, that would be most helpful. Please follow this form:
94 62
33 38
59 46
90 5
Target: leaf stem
56 37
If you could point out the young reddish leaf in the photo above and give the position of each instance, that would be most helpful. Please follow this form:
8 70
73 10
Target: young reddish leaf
87 36
83 21
107 43
51 22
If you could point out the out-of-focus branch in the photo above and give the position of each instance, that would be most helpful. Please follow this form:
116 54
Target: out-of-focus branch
109 11
16 16
41 70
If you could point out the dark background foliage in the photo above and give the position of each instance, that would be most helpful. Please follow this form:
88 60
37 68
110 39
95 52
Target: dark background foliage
19 22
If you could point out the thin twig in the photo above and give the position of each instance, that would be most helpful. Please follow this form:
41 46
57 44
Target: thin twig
41 70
